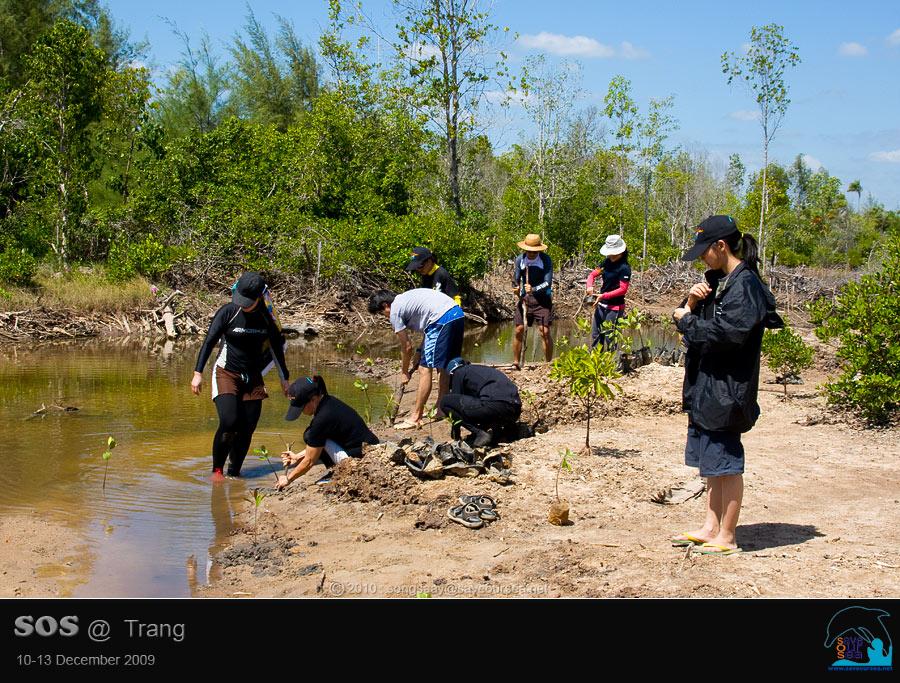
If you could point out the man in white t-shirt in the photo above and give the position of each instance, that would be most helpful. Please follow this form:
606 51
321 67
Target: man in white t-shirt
440 319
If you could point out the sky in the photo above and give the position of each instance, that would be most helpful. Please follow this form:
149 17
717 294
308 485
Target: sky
844 114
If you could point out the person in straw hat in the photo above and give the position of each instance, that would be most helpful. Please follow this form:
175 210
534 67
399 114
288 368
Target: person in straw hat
615 279
532 282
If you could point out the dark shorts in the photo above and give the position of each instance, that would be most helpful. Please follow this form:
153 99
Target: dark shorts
443 340
716 453
246 388
535 312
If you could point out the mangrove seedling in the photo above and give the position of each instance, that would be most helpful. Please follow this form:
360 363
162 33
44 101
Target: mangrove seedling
453 422
559 511
256 498
787 355
584 325
390 407
369 362
589 375
364 388
288 446
107 454
263 454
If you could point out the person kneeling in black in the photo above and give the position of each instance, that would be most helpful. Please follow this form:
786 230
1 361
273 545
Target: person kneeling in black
481 399
336 429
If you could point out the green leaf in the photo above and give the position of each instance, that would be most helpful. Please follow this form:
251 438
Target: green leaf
110 443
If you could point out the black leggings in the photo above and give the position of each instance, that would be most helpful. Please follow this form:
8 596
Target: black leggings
237 422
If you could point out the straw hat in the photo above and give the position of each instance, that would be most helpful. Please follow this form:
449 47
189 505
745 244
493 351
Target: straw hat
532 242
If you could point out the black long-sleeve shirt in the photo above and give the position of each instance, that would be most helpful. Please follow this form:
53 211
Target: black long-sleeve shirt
244 336
488 384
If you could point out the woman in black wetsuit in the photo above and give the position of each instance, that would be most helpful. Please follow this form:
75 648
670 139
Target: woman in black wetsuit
238 389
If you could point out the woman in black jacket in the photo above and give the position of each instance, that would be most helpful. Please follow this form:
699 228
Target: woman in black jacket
722 320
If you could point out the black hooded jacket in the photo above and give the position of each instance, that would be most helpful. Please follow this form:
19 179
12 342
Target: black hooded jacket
723 337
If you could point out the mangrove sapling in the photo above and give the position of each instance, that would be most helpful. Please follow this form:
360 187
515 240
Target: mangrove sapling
787 355
256 498
289 447
107 454
559 511
364 388
263 454
589 375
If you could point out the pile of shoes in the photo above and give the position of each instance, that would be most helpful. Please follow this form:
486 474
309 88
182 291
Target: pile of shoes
474 511
427 460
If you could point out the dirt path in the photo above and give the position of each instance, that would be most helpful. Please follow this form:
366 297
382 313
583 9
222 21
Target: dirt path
821 509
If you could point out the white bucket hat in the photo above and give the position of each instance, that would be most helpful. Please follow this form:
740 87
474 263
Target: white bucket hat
614 245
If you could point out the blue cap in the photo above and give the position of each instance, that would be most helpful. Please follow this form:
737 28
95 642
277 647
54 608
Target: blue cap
454 364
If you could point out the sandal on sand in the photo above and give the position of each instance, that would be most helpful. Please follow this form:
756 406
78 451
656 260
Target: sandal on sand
467 515
683 540
407 425
481 501
707 549
485 505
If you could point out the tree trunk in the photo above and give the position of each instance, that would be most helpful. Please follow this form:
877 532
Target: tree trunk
763 203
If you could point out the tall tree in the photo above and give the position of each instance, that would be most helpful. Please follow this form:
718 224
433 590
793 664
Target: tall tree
273 83
549 100
762 68
63 98
856 187
446 45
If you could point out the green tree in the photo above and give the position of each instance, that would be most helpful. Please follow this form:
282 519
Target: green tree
63 98
444 44
762 68
856 187
272 83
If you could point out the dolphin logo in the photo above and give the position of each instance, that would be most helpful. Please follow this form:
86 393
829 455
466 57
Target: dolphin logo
865 622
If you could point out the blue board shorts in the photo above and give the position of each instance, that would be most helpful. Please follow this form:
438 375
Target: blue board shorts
443 339
717 454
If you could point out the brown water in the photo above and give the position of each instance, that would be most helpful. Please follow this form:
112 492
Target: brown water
152 531
155 528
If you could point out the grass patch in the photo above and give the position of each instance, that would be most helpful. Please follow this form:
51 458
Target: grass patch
86 290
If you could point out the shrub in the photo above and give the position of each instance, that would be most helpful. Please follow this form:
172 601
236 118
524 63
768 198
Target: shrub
786 354
863 317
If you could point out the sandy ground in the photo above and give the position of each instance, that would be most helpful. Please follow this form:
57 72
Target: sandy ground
820 515
39 557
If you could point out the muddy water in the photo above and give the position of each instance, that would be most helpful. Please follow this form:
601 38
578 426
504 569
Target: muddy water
154 529
159 520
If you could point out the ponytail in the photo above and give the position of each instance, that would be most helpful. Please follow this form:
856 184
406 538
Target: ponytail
319 383
744 247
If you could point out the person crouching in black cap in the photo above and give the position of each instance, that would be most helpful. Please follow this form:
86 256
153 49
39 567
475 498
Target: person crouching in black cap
336 432
481 399
722 320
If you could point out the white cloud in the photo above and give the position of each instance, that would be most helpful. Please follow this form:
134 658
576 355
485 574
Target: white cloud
812 162
894 38
629 51
892 157
558 44
580 46
744 115
852 50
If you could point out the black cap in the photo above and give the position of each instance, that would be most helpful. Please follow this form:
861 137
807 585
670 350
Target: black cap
711 230
419 256
248 289
302 392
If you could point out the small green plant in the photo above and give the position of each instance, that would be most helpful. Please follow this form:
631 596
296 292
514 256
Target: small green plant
453 422
364 388
359 350
589 375
562 340
390 406
256 498
564 464
633 322
431 414
369 362
617 339
787 355
263 453
340 346
584 325
107 454
289 447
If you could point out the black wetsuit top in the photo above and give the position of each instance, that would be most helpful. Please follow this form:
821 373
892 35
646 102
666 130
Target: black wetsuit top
337 421
244 336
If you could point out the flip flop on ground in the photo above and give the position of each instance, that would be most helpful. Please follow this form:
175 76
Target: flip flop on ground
715 549
407 425
684 539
